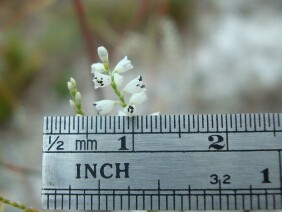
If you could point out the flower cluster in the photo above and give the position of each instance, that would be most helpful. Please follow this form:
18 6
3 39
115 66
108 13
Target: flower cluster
104 77
76 101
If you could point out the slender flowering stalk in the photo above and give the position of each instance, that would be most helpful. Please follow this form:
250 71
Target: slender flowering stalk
75 102
135 87
103 77
17 205
115 78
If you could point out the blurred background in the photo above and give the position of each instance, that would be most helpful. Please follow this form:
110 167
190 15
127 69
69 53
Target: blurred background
195 56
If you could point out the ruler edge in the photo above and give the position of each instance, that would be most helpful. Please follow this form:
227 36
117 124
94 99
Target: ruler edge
277 114
276 118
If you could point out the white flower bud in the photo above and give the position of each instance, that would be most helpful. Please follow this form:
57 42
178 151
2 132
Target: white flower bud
103 54
135 86
78 98
70 86
72 80
101 80
123 65
104 106
72 104
137 98
98 67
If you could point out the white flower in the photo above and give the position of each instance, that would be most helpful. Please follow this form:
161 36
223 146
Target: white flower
123 65
72 104
77 97
70 86
98 67
118 79
101 80
104 106
135 86
103 54
72 80
130 110
137 98
155 113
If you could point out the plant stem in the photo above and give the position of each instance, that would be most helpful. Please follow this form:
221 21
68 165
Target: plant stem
117 92
17 205
79 110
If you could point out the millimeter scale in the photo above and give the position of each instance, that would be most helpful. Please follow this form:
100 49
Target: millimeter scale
166 162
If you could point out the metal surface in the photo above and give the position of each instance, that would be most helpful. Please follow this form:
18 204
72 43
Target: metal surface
172 162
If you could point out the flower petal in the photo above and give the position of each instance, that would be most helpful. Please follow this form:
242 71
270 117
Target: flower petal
135 86
118 79
130 110
101 80
123 65
137 98
104 106
98 67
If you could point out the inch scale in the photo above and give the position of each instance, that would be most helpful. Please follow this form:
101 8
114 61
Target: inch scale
167 162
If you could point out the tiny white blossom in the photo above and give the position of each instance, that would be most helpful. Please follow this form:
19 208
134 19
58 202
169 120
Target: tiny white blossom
130 110
103 54
98 67
137 98
135 86
70 86
101 80
118 79
155 113
104 106
123 65
78 97
72 80
72 104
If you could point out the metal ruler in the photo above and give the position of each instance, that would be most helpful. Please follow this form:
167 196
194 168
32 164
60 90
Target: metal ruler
167 162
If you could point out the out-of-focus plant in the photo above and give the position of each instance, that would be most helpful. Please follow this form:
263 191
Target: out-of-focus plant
17 68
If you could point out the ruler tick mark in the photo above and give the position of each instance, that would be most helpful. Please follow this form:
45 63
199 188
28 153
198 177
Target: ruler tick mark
274 125
69 197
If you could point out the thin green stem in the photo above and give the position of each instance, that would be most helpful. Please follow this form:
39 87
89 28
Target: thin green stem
79 110
17 205
107 67
117 92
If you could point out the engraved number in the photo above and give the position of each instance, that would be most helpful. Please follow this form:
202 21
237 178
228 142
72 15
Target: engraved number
265 173
122 143
56 143
60 145
217 142
217 180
